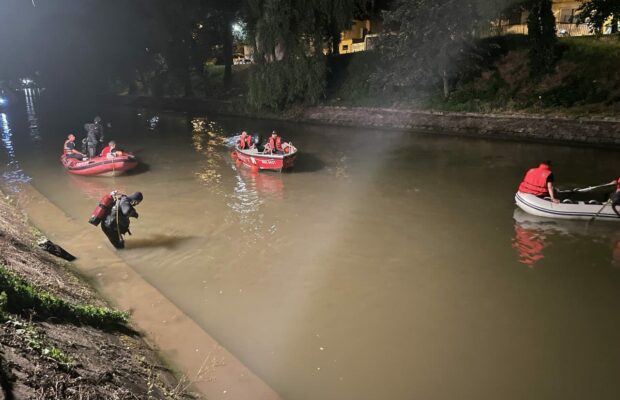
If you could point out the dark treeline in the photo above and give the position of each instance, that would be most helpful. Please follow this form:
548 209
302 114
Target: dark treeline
162 47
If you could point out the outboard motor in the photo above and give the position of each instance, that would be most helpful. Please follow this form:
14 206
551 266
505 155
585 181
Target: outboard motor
257 141
102 210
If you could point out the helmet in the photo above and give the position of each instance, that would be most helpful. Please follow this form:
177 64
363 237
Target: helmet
97 119
135 198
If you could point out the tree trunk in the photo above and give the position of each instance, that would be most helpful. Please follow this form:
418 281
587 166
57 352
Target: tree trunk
228 49
446 85
335 34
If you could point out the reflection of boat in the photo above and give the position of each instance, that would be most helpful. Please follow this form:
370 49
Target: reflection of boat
264 183
571 210
534 233
101 166
94 189
257 160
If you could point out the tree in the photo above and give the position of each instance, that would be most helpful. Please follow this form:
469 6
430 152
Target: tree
595 13
289 38
422 40
542 34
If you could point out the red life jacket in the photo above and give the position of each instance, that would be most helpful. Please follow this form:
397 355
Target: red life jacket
535 181
245 144
618 184
275 143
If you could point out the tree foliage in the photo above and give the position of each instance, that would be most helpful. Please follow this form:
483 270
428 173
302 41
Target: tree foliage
422 41
289 37
542 34
595 13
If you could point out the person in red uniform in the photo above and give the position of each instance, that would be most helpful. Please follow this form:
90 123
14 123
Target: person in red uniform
109 149
539 182
274 144
69 148
245 141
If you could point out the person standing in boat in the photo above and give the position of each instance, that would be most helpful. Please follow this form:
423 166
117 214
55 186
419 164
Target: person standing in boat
539 182
116 223
94 136
69 148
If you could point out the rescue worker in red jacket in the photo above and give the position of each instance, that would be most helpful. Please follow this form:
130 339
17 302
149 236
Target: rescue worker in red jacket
245 141
539 182
109 149
274 144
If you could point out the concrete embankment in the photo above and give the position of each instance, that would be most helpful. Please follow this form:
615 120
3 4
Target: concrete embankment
601 132
207 366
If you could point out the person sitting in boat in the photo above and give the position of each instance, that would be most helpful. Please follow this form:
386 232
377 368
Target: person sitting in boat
539 182
245 141
116 223
69 148
110 150
274 144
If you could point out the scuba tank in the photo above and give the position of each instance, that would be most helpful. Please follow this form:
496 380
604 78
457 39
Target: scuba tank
103 209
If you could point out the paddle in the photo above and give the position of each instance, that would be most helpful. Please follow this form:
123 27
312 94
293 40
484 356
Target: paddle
587 189
599 211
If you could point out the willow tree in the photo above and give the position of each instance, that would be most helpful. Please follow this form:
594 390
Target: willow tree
290 37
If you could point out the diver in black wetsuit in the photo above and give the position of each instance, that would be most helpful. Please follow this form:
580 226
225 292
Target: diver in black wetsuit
116 223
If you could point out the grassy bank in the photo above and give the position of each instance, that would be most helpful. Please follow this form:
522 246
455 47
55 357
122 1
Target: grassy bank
585 81
59 338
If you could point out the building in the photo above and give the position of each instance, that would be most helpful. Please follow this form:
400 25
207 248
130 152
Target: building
564 11
360 37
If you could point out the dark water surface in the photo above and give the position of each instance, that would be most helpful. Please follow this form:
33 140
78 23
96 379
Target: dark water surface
387 265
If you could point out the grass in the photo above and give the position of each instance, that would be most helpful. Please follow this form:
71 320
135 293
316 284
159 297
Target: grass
586 81
22 298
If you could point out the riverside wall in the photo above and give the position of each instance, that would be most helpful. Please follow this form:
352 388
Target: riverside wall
599 132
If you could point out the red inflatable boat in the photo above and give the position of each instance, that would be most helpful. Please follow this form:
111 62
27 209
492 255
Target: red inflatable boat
101 165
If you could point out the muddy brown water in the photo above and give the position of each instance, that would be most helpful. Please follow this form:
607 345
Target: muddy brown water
386 265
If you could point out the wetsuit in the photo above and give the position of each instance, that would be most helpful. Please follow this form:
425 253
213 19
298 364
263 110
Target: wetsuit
116 224
94 135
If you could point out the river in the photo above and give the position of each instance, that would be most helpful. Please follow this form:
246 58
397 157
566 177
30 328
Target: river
386 265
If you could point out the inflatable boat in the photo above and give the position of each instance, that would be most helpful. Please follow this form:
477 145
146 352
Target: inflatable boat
567 209
100 165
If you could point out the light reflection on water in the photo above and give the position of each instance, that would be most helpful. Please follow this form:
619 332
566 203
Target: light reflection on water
13 174
33 121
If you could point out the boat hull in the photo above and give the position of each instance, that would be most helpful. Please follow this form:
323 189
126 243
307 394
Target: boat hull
545 208
100 166
275 162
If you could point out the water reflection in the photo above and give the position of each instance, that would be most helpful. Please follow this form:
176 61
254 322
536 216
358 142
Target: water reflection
535 234
94 188
207 140
33 122
13 174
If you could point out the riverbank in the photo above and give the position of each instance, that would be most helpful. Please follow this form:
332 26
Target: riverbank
59 338
199 359
591 131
